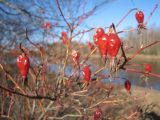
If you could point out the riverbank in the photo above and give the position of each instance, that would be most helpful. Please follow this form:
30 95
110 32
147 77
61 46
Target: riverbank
149 103
139 56
142 104
146 57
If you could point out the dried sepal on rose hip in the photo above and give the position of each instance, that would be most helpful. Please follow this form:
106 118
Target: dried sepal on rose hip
91 46
75 57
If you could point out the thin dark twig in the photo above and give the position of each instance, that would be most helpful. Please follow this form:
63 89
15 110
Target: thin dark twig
85 31
39 71
154 9
39 97
8 13
87 57
27 37
63 15
125 58
21 48
114 28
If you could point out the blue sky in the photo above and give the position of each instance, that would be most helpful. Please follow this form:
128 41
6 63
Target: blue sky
114 11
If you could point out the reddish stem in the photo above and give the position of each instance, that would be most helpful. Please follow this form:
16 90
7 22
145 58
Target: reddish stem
85 31
140 50
28 39
2 104
125 16
20 116
2 99
142 72
63 15
10 106
154 9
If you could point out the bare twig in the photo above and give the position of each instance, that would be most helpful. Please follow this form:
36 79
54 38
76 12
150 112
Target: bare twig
126 16
124 56
63 15
142 72
154 9
63 117
38 97
140 50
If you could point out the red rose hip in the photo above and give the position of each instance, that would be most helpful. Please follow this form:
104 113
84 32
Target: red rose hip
127 85
139 17
23 65
86 73
47 25
98 114
148 68
64 37
100 32
114 44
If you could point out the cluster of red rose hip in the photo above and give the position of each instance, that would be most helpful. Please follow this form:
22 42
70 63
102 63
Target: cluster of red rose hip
108 44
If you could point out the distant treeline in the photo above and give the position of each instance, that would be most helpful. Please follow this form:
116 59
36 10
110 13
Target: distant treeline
145 37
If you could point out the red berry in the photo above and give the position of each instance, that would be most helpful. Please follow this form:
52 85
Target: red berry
127 85
103 45
47 25
23 64
100 32
114 44
148 68
86 73
64 37
75 55
63 34
98 114
139 17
